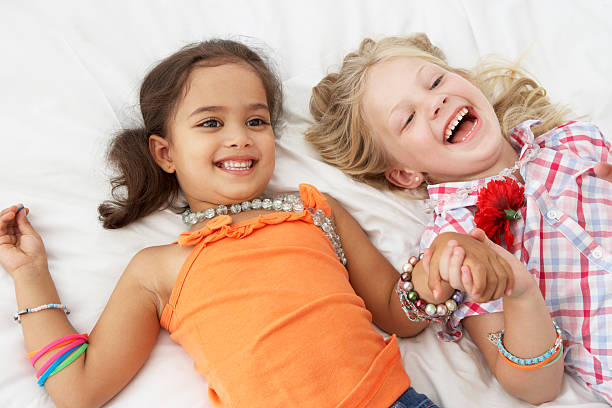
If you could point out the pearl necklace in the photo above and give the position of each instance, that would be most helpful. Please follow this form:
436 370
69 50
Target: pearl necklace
283 202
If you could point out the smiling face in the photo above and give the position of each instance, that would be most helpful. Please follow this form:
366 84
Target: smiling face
432 122
221 143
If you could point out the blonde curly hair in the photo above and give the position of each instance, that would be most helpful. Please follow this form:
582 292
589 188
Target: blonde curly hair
343 138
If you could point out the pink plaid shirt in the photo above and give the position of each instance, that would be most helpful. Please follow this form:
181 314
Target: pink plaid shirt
564 237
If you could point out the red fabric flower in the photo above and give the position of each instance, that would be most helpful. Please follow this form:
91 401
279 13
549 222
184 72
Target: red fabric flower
499 203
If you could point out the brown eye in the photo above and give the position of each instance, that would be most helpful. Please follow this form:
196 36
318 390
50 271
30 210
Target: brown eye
256 122
210 123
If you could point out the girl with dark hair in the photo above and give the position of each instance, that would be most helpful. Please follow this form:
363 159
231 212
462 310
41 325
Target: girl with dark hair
256 290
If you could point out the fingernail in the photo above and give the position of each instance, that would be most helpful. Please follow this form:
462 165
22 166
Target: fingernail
436 293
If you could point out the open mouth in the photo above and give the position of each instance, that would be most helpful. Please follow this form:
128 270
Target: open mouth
461 127
235 165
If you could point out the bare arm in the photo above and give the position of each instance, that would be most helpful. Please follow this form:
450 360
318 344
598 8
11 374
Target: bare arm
375 279
528 332
120 342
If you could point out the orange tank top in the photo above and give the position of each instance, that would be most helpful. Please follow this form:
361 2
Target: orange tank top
266 311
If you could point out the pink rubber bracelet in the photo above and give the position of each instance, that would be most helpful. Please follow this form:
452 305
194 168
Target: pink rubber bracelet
55 343
58 355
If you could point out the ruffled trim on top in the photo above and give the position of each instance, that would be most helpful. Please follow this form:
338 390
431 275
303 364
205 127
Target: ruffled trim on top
221 226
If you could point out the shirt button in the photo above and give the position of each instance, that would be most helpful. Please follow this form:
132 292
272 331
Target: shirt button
553 215
597 253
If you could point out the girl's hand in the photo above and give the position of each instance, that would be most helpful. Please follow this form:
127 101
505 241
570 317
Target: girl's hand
604 171
20 245
523 280
469 266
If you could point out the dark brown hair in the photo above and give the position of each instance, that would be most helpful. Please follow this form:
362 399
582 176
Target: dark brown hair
141 187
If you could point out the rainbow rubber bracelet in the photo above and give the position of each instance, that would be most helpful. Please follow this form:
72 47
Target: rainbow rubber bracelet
70 359
43 378
55 344
33 353
58 355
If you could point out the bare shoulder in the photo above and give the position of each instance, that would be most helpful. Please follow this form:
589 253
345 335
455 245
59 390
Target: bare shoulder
157 268
334 205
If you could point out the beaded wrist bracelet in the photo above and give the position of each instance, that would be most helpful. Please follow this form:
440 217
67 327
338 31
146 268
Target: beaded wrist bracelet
416 309
17 316
548 358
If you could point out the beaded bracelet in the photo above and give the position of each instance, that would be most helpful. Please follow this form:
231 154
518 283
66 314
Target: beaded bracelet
548 358
17 316
416 309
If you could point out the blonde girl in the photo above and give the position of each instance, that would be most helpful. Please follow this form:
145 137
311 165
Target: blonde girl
488 149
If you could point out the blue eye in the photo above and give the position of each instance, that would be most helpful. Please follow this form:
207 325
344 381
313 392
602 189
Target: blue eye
257 122
210 123
437 82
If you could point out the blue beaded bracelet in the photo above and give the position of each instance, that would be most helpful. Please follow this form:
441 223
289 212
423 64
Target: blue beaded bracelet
497 339
17 316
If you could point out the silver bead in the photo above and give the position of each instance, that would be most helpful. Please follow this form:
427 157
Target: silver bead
451 305
287 207
298 207
222 210
277 204
246 205
235 208
256 204
209 213
266 204
407 268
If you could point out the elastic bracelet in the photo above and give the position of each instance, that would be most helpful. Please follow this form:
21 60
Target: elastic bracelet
55 344
559 355
548 358
416 309
70 359
17 316
43 378
58 356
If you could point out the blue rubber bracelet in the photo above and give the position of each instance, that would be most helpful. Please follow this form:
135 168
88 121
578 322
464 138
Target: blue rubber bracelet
48 371
19 209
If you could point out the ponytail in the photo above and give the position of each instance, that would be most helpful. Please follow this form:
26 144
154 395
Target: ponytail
141 187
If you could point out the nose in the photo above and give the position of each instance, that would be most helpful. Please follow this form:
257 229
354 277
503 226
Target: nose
437 104
238 137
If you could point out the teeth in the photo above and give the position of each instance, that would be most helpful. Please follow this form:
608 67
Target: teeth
237 165
454 123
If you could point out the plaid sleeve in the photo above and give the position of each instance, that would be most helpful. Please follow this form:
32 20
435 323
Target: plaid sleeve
579 139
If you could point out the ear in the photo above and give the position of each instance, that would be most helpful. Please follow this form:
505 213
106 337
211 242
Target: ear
160 149
404 178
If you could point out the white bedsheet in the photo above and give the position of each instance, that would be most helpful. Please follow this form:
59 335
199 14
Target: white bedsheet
70 74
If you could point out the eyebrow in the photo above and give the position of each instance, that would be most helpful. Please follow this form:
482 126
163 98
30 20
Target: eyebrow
416 76
213 108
